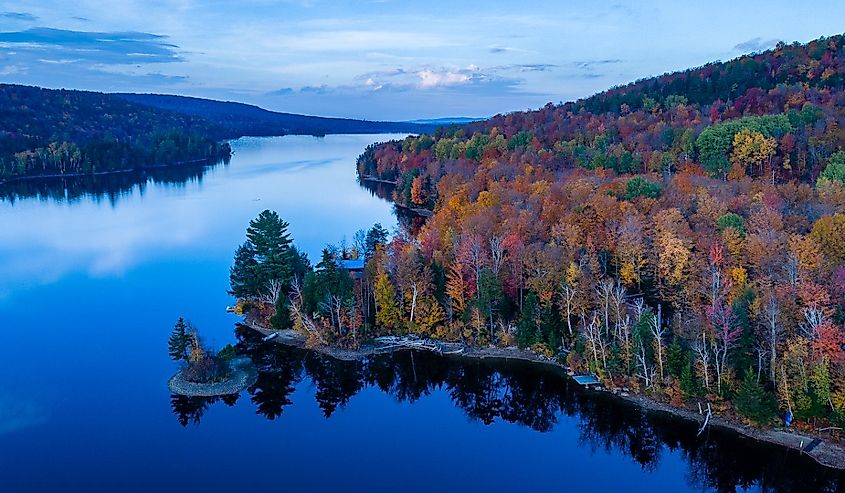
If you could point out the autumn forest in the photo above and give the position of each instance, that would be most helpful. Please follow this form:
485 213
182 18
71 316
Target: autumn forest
681 236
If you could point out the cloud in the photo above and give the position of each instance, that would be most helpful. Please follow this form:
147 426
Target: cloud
533 67
321 89
19 16
590 68
431 78
755 44
100 47
12 70
588 64
280 92
430 88
88 59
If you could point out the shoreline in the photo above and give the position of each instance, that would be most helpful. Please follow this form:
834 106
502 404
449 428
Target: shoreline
57 176
378 180
415 210
824 452
243 376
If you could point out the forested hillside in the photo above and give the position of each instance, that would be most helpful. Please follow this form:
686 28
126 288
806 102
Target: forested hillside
240 119
45 132
684 235
61 132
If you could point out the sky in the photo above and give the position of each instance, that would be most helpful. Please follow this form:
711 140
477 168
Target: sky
386 59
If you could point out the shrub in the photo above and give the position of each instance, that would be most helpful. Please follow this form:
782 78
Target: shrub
208 369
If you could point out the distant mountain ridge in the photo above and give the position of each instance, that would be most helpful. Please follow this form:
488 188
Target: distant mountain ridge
62 133
240 119
456 120
49 132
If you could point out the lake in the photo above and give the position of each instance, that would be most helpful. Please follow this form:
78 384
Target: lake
91 284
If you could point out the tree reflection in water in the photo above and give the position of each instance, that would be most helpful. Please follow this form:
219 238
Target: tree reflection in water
528 395
98 187
191 409
409 221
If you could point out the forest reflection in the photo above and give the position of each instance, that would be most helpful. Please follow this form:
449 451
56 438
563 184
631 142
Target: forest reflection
102 187
410 222
527 395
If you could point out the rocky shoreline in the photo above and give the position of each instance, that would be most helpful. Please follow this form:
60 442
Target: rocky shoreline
826 453
293 338
243 376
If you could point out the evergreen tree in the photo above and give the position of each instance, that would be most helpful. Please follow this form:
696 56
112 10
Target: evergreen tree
300 265
527 328
688 383
268 236
243 281
676 359
281 318
331 278
489 295
177 344
377 235
752 400
266 256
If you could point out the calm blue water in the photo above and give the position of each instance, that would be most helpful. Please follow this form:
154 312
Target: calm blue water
90 286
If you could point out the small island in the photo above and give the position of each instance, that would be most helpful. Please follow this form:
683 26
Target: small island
206 373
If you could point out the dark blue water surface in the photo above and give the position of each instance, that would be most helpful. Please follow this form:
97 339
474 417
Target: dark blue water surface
90 285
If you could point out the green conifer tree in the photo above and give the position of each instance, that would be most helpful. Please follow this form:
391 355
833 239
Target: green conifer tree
265 256
752 400
177 344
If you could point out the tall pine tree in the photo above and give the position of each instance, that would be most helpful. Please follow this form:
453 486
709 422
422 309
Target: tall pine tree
177 344
243 278
265 256
752 400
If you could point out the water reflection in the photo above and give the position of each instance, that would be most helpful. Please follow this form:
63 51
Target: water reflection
107 225
97 188
530 396
409 221
190 409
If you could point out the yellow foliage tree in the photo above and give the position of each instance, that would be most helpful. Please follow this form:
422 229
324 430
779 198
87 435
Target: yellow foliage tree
456 287
387 310
429 316
828 233
733 243
752 148
197 353
673 255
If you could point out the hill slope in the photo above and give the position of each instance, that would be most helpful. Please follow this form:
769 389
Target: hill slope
239 119
659 124
45 132
683 234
